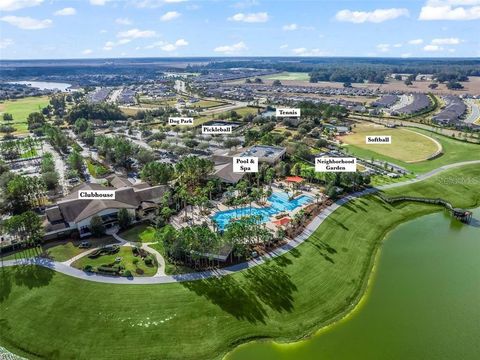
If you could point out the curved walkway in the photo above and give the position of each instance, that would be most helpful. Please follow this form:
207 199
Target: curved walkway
164 279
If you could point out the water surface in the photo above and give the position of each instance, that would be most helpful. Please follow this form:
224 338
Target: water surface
44 85
423 302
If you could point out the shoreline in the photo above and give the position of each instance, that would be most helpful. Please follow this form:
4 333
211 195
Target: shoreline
360 297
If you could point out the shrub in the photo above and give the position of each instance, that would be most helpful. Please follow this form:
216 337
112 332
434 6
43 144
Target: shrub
88 268
149 260
108 270
139 271
127 273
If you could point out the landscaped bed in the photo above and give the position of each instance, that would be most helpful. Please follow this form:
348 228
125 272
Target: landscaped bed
146 233
126 261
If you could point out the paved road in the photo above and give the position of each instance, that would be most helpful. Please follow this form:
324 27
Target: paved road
164 279
59 165
474 114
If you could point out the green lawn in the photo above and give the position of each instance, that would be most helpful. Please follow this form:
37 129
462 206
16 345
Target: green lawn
96 169
20 109
407 146
285 299
170 268
453 151
127 257
206 104
146 234
139 233
60 251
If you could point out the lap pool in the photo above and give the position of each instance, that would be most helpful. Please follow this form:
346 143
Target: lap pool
279 203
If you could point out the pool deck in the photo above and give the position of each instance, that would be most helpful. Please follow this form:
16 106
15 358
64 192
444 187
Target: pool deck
196 218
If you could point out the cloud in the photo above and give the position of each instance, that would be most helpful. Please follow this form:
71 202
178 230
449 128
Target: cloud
406 55
123 21
309 52
136 34
399 45
27 23
65 12
450 10
284 46
383 47
4 43
153 4
416 42
376 16
165 46
170 15
98 2
290 27
231 49
250 18
432 48
12 5
245 4
446 41
87 51
181 42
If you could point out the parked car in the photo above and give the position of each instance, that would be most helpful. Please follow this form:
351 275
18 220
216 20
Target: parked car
84 245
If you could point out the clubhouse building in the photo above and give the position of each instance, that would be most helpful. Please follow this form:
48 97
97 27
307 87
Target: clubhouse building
73 214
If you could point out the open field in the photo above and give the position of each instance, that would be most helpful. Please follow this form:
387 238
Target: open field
206 104
470 87
406 145
453 151
292 76
20 109
285 299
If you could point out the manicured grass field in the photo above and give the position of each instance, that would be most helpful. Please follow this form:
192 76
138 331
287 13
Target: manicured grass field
20 109
243 111
296 76
205 104
144 233
285 299
60 251
453 151
406 145
126 256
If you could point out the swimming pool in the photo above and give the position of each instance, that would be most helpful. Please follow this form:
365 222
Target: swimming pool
279 203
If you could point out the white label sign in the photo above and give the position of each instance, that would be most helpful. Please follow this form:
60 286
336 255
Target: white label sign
96 194
327 164
245 164
180 121
287 112
375 139
216 129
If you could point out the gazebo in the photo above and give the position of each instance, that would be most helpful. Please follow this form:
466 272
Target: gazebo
295 181
282 222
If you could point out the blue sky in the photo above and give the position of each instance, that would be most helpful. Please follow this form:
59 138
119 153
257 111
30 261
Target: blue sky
42 29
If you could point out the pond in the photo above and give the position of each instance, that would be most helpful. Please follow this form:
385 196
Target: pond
44 85
423 301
